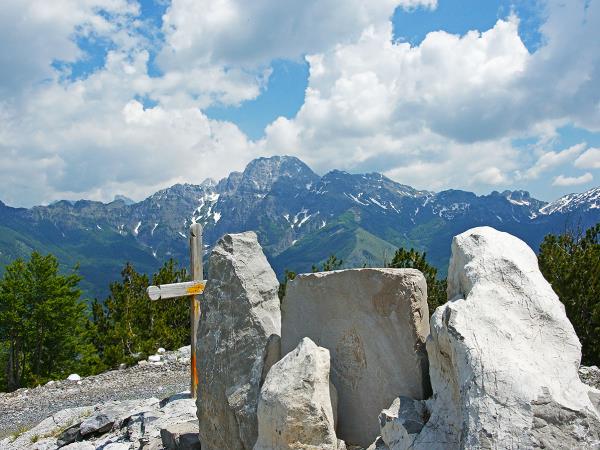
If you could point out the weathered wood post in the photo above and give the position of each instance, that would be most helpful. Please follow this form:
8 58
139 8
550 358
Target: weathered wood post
197 275
193 289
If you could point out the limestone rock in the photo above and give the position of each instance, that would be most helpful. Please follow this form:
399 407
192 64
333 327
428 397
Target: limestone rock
80 446
240 311
181 436
134 423
374 322
378 445
402 422
98 423
503 356
295 407
69 436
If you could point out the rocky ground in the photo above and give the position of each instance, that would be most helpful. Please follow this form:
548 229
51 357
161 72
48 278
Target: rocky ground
590 376
24 408
119 410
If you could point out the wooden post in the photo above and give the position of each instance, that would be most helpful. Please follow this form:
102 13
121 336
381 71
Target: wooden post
196 267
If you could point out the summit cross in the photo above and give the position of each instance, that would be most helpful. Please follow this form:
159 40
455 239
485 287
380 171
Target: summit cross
193 289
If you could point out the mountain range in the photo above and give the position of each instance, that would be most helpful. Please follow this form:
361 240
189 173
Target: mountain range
301 219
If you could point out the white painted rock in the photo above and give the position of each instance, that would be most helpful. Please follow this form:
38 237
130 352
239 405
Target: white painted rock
375 323
74 377
154 358
295 406
160 351
503 356
240 312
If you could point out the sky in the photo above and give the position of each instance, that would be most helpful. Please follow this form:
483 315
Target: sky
106 97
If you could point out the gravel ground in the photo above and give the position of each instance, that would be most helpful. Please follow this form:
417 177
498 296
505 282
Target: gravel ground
24 408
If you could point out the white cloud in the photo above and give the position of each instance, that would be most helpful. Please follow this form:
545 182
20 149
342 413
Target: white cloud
440 114
590 159
424 113
562 180
249 34
549 160
90 138
35 33
414 112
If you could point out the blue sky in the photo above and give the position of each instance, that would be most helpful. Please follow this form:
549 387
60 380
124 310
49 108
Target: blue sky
130 96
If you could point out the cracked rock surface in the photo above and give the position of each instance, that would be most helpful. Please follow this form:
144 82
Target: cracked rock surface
503 356
24 408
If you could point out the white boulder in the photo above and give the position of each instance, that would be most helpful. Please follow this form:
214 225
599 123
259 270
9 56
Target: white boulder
503 356
240 315
74 377
374 322
295 407
154 358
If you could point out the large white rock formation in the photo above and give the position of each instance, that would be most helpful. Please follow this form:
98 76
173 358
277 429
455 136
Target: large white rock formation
503 357
295 410
374 322
239 329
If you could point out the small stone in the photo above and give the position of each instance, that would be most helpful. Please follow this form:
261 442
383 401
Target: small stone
116 446
181 436
97 424
68 436
185 351
74 377
122 366
154 358
161 351
143 362
402 422
80 446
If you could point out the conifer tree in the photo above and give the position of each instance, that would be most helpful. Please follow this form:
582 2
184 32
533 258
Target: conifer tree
43 323
571 264
128 325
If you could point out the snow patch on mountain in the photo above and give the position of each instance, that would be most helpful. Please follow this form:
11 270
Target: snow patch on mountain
377 203
585 201
356 199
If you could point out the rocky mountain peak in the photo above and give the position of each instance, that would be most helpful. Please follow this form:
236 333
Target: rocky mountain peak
587 200
261 173
209 183
123 199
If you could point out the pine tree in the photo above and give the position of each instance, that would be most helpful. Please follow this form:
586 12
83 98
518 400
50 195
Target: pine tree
436 289
332 263
43 323
128 325
571 264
